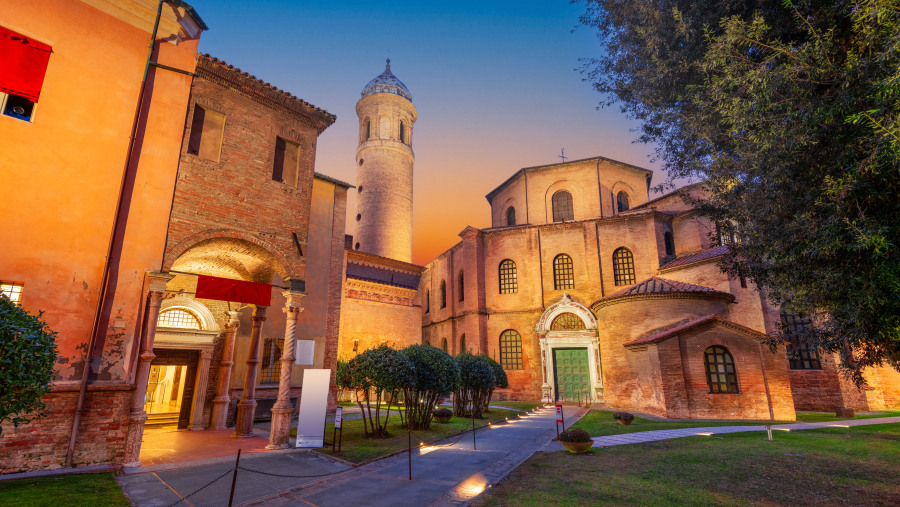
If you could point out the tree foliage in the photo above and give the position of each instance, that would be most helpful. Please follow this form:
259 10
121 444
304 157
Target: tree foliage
500 381
789 113
436 376
27 356
377 375
477 381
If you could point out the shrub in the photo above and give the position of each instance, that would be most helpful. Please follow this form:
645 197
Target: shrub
435 375
624 416
376 374
574 436
443 412
500 380
27 356
476 380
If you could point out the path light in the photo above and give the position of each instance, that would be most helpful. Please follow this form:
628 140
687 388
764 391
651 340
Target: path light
839 425
705 434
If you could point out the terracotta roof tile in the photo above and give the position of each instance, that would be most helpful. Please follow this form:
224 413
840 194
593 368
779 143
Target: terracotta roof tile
702 255
657 285
680 328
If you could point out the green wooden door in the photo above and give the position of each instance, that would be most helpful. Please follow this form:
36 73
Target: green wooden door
571 374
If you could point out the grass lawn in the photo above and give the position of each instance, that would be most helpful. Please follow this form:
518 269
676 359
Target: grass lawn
89 490
855 466
355 447
521 405
601 423
829 416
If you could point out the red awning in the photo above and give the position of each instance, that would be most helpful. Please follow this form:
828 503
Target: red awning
23 63
224 289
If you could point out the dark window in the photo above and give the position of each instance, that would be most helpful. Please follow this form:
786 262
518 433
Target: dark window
462 343
511 350
670 244
271 361
357 245
402 132
427 301
511 216
562 206
623 266
444 345
287 162
368 130
358 217
720 374
727 233
462 287
443 294
207 127
801 355
622 201
22 71
509 283
563 274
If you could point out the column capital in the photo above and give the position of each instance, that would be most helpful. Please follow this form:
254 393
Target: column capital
158 280
259 314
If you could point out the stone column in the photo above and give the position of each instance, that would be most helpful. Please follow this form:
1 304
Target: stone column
200 390
282 410
138 417
246 409
222 399
546 390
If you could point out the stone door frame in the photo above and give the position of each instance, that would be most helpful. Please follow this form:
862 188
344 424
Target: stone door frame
550 339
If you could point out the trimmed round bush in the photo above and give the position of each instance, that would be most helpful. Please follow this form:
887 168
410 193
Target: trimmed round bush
575 436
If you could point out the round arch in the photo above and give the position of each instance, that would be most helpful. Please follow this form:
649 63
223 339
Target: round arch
230 254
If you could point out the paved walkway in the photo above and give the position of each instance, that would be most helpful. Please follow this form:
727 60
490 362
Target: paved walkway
451 472
653 436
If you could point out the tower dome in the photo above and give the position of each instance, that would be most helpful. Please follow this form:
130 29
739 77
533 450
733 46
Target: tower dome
384 174
387 82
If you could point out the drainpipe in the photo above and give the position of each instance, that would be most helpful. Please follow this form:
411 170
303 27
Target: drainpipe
113 242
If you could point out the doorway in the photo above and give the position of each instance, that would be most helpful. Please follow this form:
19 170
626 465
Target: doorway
572 374
170 388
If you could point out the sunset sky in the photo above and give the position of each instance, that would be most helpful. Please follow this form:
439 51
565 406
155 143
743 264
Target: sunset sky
495 84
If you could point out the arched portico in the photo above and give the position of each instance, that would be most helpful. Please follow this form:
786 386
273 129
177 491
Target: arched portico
568 340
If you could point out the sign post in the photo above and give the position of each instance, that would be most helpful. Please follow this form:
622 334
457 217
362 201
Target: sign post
559 419
337 428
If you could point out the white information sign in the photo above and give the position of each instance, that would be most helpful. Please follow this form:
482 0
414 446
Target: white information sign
313 404
305 352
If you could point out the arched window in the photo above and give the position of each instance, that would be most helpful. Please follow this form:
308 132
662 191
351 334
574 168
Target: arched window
563 274
567 322
720 374
622 201
670 244
443 294
368 130
511 350
444 345
462 343
623 266
562 206
462 287
427 301
179 318
511 216
509 284
402 132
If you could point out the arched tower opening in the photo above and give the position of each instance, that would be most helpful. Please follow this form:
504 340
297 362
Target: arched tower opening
385 160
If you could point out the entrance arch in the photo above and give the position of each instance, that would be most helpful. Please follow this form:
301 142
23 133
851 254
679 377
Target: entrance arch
570 352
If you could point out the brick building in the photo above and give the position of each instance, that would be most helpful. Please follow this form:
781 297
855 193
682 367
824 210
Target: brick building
585 290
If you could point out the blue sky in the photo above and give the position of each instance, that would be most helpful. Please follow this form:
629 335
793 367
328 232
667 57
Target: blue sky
495 85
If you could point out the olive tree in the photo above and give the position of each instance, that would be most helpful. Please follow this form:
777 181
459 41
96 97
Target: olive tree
376 375
436 375
27 356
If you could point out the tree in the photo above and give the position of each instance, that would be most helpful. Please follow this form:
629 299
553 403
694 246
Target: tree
436 376
789 113
376 375
500 381
27 356
476 382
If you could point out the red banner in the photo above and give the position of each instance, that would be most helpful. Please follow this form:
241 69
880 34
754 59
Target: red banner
224 289
23 63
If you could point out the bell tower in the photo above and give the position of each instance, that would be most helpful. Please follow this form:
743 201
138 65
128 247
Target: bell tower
384 168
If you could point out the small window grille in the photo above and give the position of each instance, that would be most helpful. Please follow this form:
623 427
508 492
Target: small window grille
182 319
508 282
801 355
562 206
271 361
720 373
567 322
11 290
623 266
511 350
563 273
